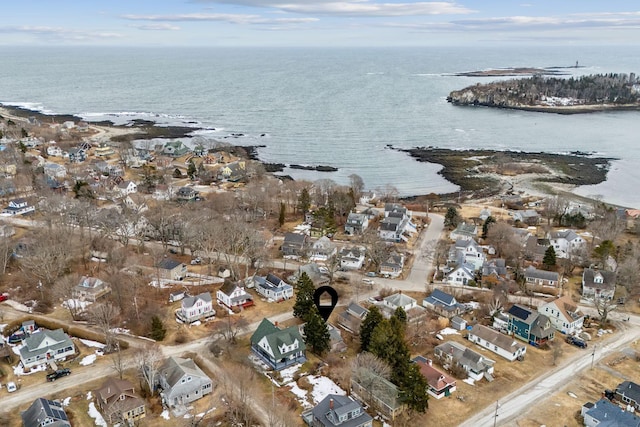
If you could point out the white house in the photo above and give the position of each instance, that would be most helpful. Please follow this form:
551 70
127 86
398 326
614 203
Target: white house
461 275
499 343
273 288
476 365
352 258
400 300
18 207
464 231
598 283
393 265
566 242
40 347
278 347
322 250
396 225
231 295
467 251
54 170
127 187
563 314
196 308
54 151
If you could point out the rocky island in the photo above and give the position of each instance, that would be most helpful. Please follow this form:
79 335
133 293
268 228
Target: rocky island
555 95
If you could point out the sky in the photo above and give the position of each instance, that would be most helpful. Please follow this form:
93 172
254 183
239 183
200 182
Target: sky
318 22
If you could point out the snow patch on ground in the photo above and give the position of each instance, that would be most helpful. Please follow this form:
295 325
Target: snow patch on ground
288 373
66 401
19 369
93 413
449 331
90 343
88 360
89 396
76 304
322 387
2 326
196 323
165 414
469 381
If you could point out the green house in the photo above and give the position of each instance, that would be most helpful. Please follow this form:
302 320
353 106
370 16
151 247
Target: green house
277 347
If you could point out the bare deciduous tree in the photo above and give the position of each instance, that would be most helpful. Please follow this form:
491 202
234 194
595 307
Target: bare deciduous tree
48 257
604 306
502 237
148 362
63 290
104 316
119 363
368 371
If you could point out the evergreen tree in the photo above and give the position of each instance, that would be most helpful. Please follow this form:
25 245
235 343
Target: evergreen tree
373 319
304 201
304 297
316 333
485 227
413 389
549 259
177 173
191 169
401 315
158 331
281 217
452 218
388 343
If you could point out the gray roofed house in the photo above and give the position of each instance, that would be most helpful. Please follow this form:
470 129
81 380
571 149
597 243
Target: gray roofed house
563 313
40 347
351 318
535 248
599 283
182 382
529 325
378 392
442 303
172 269
336 410
467 251
356 223
464 231
501 344
494 267
629 393
392 266
45 412
313 271
352 258
399 300
533 276
294 244
199 307
186 194
528 216
273 287
90 289
476 365
603 413
278 348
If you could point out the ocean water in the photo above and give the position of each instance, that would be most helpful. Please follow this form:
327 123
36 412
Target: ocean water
339 107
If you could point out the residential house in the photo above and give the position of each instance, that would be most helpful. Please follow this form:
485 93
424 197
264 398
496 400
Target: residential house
278 348
379 393
467 252
118 402
352 258
54 151
494 268
273 288
563 314
294 245
603 413
443 303
45 412
533 276
528 216
336 343
598 283
232 295
175 149
356 223
399 300
337 410
477 366
529 325
54 170
90 289
566 243
393 265
501 322
196 308
77 155
171 269
439 384
182 382
41 347
461 275
367 197
313 271
104 150
535 248
234 172
186 194
629 393
351 318
499 343
18 207
127 187
464 231
322 250
396 224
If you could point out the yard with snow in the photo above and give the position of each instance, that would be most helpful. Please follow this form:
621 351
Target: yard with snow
321 387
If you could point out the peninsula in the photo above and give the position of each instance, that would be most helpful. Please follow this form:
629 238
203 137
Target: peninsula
555 95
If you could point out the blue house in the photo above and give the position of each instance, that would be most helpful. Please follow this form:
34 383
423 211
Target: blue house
606 413
529 325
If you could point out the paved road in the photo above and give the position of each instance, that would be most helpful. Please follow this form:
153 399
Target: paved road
519 402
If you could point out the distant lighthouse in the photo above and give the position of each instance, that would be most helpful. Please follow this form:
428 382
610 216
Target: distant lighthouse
576 64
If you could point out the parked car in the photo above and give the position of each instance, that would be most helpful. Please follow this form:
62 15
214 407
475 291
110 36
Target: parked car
196 261
173 251
4 297
58 374
368 281
576 341
17 337
371 274
11 387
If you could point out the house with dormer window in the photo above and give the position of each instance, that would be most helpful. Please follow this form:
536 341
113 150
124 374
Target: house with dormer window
182 382
440 384
467 252
566 243
118 402
41 347
45 412
322 250
232 295
352 258
90 289
529 325
277 347
337 410
356 223
443 303
18 207
598 283
196 308
273 288
564 314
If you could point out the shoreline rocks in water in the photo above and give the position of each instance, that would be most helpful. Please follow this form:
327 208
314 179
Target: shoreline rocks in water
479 171
320 168
515 71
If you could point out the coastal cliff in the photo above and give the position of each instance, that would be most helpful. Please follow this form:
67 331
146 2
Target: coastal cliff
558 95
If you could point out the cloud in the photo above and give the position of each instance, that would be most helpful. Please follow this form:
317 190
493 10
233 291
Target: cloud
59 32
540 22
243 19
156 27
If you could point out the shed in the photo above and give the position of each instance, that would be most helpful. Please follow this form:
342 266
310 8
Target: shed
458 323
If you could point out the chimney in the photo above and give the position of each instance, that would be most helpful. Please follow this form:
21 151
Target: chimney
276 323
330 403
429 362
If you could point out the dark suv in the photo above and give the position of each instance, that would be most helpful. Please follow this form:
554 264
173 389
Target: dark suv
57 374
577 342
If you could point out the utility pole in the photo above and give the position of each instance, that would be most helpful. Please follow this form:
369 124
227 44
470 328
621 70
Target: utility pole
593 356
495 416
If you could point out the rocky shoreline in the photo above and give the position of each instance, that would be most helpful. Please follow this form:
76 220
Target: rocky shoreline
484 173
513 72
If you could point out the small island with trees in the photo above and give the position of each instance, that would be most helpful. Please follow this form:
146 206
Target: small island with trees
572 95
